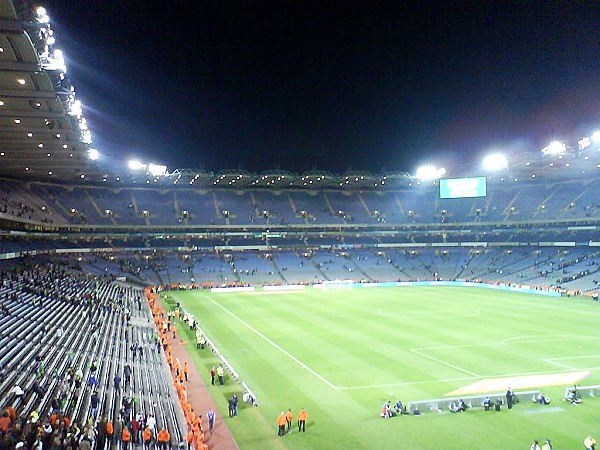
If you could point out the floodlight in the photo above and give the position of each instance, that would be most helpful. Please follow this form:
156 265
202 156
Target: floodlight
136 165
93 154
496 161
157 169
584 143
86 137
596 136
58 61
75 108
40 11
555 148
429 173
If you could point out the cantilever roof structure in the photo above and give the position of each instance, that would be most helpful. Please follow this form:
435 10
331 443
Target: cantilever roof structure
44 135
42 132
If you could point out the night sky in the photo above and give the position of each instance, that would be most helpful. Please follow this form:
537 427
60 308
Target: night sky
375 86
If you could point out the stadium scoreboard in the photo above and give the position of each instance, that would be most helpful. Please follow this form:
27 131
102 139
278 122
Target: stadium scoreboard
463 187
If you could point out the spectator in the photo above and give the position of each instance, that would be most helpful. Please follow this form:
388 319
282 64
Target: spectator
5 422
110 433
151 424
163 439
117 382
125 437
147 438
94 401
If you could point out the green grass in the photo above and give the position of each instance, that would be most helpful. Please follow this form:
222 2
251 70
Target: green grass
342 353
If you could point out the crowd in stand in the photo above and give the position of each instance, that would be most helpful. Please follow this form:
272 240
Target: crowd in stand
19 209
53 401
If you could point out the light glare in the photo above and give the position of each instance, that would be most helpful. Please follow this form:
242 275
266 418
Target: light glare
496 161
428 172
157 169
555 148
136 165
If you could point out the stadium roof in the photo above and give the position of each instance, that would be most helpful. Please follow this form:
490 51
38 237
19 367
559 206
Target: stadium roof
44 134
42 129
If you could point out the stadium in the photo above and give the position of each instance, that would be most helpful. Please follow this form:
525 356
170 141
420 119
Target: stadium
333 292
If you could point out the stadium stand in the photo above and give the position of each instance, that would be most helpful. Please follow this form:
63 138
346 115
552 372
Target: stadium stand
71 235
67 336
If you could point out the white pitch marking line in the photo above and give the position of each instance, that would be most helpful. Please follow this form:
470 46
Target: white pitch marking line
555 360
575 357
521 340
278 347
550 361
460 369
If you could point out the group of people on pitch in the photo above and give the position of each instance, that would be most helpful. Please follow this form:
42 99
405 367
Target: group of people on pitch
284 420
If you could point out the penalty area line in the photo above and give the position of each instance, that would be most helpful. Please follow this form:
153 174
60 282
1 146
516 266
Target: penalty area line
447 364
276 346
551 361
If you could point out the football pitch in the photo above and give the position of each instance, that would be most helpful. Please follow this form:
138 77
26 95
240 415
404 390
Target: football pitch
342 353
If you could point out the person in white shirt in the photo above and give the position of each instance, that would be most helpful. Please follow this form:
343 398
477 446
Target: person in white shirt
17 391
151 424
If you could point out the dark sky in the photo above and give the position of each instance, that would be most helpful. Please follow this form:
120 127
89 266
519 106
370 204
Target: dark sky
329 85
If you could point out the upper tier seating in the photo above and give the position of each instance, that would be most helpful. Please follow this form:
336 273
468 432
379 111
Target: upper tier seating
505 202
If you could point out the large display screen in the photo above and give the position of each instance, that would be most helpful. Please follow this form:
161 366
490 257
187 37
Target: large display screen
463 187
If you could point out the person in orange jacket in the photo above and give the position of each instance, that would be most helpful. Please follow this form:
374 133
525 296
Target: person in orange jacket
281 421
190 439
125 437
163 439
110 432
147 438
199 440
302 416
288 420
185 370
